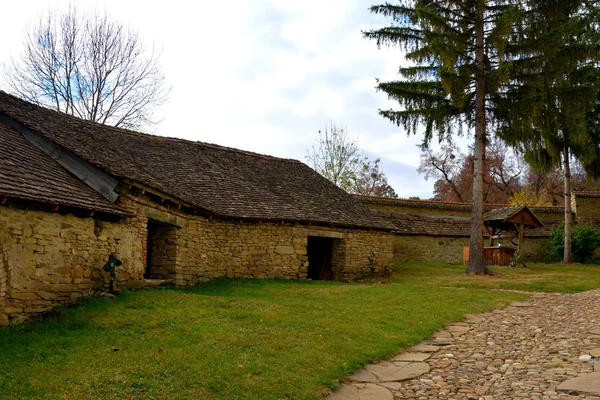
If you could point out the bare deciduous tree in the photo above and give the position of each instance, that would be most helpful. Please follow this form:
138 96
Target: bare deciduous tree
445 167
371 181
507 176
337 157
505 167
503 171
89 66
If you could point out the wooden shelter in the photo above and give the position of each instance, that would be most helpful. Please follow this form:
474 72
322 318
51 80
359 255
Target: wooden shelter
513 220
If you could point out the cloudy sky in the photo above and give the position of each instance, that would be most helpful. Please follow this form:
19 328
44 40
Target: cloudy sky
261 75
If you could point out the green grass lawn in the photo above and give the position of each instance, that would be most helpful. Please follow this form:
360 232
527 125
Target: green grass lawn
249 339
535 278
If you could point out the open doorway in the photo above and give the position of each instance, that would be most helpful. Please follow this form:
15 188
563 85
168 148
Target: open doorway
161 250
320 250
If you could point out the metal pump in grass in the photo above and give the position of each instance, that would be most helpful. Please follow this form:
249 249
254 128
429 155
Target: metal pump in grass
109 267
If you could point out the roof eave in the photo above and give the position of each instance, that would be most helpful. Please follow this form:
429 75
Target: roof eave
55 206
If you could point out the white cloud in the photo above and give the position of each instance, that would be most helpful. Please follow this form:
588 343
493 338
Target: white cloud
262 75
397 147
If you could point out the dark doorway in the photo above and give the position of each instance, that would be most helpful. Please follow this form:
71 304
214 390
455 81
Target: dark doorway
161 250
319 251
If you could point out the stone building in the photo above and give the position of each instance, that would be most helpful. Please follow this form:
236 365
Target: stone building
174 211
427 230
72 192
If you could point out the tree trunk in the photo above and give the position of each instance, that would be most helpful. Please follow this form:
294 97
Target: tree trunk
568 256
476 264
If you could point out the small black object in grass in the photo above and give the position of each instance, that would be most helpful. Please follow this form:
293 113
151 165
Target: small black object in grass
109 267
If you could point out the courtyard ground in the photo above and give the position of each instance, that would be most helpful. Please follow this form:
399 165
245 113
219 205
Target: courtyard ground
251 339
545 348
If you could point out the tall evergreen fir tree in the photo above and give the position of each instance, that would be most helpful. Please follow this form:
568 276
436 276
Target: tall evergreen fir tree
548 108
457 48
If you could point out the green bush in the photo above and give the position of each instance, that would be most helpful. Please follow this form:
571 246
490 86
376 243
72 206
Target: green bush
585 239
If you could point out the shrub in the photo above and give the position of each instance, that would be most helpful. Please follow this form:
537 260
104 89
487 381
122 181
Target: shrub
585 239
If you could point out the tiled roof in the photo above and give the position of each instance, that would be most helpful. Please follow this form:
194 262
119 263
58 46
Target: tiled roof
425 225
502 214
226 182
589 194
27 173
445 205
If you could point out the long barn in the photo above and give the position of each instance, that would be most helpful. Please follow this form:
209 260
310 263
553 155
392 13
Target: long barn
72 192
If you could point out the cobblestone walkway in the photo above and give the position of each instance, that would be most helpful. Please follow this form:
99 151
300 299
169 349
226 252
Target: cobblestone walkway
529 350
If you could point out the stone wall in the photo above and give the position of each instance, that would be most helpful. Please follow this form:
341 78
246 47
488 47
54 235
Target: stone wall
205 248
533 249
364 252
3 280
429 248
449 250
216 249
587 207
48 258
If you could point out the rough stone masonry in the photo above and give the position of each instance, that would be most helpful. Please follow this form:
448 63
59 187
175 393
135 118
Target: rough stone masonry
47 258
547 348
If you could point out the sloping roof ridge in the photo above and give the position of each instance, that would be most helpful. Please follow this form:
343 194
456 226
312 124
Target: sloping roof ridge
515 208
425 201
245 152
425 217
587 193
402 199
504 212
149 135
448 203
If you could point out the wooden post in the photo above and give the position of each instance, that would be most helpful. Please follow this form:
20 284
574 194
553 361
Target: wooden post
521 238
492 233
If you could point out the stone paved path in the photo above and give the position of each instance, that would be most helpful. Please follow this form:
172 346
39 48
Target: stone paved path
529 350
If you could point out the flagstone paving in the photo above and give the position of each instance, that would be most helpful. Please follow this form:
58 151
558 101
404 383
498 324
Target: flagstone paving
546 348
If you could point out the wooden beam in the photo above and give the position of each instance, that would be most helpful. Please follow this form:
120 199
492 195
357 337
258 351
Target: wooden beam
492 233
160 197
521 237
94 177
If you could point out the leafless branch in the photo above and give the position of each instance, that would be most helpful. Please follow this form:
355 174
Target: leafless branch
337 157
92 67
